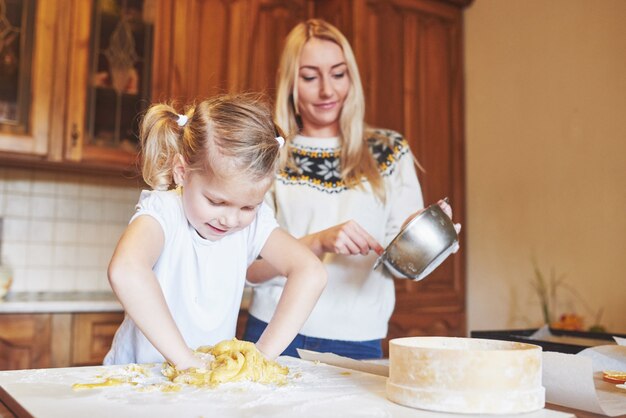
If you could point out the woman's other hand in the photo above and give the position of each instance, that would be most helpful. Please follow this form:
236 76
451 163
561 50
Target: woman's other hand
348 238
447 209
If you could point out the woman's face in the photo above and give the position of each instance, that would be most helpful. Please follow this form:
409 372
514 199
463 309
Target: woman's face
323 85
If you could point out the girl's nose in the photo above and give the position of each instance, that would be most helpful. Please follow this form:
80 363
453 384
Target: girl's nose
229 219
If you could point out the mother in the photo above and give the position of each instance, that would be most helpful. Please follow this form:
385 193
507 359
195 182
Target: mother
344 189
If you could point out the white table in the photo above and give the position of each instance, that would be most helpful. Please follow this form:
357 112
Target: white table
313 390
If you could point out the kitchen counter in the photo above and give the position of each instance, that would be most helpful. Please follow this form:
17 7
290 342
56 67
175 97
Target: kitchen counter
313 390
59 302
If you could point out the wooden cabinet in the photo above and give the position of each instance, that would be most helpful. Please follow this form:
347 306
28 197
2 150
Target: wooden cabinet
111 47
228 46
94 69
24 341
410 53
29 341
92 336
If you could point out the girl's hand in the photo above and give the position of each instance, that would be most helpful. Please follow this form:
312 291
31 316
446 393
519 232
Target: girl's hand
190 361
306 279
348 238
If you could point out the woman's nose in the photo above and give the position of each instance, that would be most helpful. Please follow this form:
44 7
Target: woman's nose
325 87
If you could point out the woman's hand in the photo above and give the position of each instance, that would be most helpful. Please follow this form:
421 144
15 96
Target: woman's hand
447 209
348 238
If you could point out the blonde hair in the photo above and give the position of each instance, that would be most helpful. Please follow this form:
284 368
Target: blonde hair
226 132
357 161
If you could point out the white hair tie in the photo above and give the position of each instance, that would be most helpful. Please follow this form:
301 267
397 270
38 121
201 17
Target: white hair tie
281 141
182 120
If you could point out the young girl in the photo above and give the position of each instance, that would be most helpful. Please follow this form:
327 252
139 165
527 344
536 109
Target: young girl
179 268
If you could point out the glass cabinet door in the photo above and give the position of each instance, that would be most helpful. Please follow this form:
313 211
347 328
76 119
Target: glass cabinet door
16 39
26 38
111 66
120 73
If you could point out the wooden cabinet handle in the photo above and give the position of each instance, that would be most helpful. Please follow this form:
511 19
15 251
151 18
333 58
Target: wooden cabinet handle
74 135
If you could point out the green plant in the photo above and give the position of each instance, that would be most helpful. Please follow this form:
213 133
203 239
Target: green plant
546 289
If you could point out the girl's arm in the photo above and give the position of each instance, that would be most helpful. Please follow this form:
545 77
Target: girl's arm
136 286
348 238
306 278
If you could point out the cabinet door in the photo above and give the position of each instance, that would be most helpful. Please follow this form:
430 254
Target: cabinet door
92 335
410 56
27 60
24 341
110 50
228 46
417 88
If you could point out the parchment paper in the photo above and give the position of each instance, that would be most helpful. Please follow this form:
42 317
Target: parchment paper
345 362
575 380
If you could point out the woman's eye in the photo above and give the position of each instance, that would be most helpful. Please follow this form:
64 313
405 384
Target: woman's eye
308 78
339 75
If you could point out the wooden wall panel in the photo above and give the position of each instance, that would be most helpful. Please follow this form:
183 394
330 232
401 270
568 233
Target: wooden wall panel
410 57
229 46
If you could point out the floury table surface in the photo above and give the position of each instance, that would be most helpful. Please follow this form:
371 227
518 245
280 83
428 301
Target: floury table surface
313 390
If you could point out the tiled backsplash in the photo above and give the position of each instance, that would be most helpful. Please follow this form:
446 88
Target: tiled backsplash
61 229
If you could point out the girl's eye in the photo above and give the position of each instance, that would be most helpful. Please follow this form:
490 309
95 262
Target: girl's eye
214 202
308 78
339 75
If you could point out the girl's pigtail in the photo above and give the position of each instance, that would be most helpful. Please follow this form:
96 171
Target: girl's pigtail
160 134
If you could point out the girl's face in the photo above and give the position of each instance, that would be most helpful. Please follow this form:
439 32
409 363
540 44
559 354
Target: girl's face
323 84
217 207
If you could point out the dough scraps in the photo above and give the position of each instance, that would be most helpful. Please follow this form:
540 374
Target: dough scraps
234 360
228 361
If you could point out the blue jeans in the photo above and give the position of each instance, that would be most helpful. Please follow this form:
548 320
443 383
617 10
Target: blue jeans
359 350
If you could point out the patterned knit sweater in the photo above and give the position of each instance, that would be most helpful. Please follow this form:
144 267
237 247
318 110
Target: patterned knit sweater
358 301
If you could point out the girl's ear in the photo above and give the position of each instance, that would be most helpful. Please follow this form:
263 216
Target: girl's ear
179 170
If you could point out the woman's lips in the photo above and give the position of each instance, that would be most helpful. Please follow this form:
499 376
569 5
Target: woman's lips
326 106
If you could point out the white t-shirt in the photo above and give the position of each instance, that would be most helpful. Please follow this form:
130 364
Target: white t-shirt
358 301
202 280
